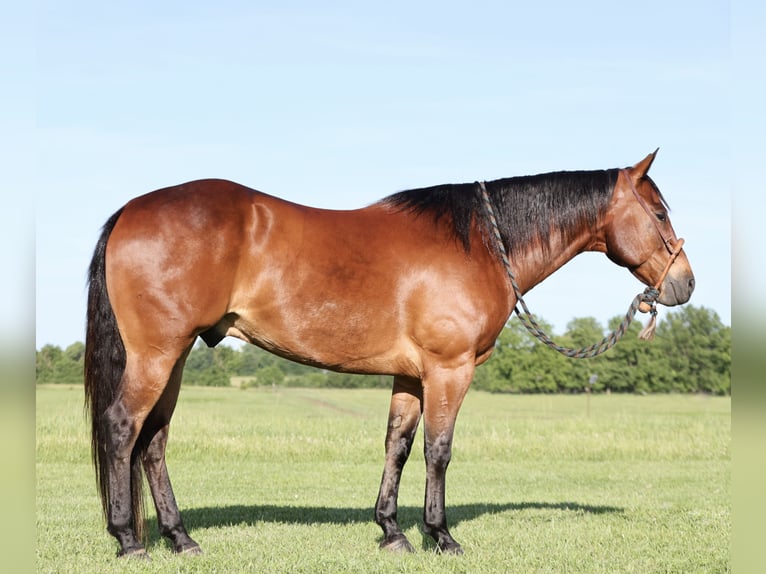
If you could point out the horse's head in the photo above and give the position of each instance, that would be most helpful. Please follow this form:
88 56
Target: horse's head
639 236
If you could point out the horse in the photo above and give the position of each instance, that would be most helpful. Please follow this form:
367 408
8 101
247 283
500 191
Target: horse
411 286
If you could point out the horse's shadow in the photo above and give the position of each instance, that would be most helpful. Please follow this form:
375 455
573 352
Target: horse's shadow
408 516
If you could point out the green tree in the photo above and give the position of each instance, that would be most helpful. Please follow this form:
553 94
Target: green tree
46 361
269 376
630 366
699 350
208 367
54 366
252 359
519 364
75 352
581 333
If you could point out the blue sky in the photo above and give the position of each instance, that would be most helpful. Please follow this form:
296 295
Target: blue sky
340 104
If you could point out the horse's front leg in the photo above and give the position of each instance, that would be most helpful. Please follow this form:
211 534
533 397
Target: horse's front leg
403 418
443 392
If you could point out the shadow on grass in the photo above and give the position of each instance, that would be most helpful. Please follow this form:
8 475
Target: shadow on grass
408 515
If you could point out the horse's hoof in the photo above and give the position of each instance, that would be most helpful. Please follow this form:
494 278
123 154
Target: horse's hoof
134 554
190 550
398 544
452 548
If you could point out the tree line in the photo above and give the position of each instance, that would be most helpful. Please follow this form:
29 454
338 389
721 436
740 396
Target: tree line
690 353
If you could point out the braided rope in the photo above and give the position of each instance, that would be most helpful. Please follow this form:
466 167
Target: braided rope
649 296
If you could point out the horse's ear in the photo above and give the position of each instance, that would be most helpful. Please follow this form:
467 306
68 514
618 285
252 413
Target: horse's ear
642 168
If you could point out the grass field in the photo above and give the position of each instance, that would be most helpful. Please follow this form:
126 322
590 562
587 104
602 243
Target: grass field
285 481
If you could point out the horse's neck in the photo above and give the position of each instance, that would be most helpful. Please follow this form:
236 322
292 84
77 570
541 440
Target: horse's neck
538 263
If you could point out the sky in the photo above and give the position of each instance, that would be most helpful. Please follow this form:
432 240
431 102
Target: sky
339 104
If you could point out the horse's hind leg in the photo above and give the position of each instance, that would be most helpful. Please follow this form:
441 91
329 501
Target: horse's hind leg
403 419
168 516
156 432
123 422
143 383
123 516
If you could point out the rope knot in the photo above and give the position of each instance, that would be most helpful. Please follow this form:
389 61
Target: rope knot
648 305
648 299
650 294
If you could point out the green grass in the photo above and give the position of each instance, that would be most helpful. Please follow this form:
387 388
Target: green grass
285 481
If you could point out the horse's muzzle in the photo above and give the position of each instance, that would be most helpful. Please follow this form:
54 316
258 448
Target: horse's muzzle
676 290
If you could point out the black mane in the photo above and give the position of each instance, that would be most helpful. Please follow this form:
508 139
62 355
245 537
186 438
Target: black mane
526 207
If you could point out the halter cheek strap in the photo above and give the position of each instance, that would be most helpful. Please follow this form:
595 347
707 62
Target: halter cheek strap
668 239
672 244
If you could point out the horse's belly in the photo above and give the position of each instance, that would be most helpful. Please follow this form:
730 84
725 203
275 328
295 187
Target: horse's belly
333 338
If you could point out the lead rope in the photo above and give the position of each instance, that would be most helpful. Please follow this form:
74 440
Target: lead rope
645 301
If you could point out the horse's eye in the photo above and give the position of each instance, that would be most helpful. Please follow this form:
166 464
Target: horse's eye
661 216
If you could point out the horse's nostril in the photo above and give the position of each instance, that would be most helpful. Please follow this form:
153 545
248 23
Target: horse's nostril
691 284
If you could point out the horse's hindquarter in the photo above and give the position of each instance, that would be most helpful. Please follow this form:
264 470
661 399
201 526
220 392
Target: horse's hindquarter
171 259
370 290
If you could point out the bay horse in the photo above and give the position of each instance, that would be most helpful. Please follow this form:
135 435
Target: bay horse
411 286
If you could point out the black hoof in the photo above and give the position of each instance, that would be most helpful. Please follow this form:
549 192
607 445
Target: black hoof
398 544
452 548
134 554
189 550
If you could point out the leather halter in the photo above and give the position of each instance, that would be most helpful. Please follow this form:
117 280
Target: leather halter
672 244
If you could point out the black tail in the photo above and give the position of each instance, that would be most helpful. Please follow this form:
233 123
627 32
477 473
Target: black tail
104 367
